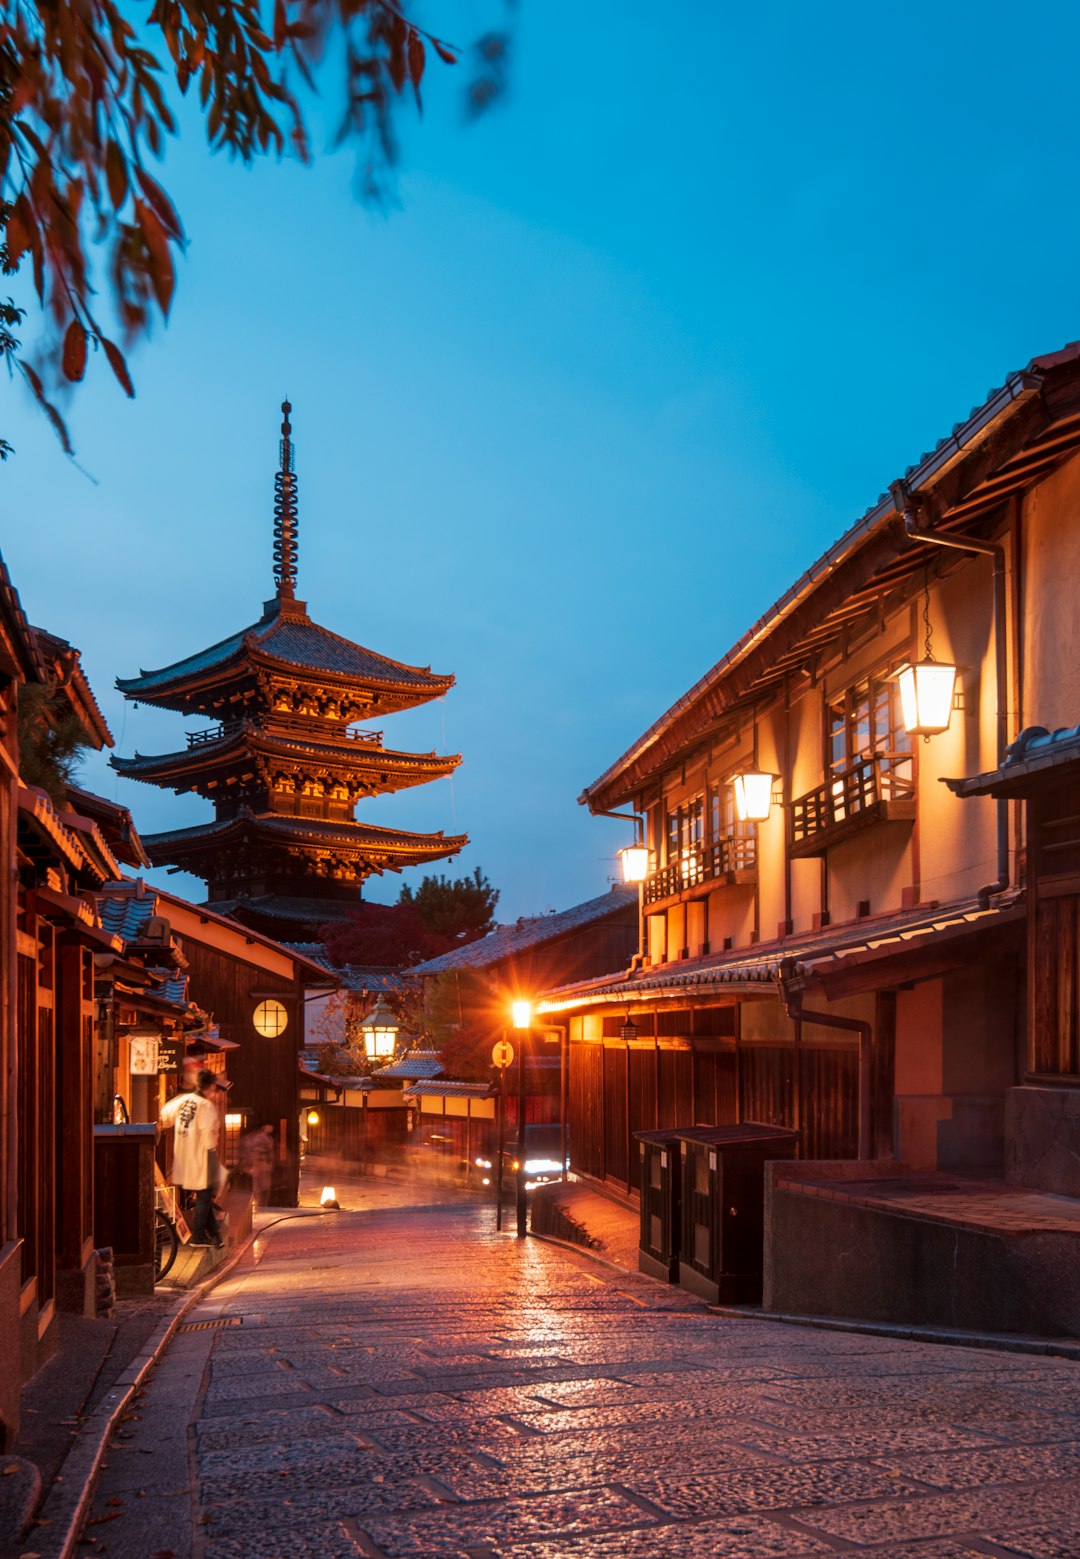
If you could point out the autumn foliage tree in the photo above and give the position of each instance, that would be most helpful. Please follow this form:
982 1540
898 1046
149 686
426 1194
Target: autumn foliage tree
87 99
442 913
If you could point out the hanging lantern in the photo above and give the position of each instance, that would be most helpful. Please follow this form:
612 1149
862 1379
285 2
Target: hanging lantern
635 863
521 1014
753 796
928 686
380 1030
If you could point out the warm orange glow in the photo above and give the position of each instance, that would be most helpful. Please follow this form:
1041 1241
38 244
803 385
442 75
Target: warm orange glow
926 697
753 796
522 1014
635 863
313 1117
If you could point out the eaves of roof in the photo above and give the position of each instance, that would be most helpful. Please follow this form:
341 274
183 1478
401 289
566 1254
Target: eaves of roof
822 960
1035 754
509 941
613 787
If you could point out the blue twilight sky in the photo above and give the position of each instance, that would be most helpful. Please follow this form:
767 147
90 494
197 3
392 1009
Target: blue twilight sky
633 351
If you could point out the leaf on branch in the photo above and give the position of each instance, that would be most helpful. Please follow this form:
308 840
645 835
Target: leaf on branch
116 174
417 59
18 232
59 426
118 366
161 205
445 54
162 273
74 356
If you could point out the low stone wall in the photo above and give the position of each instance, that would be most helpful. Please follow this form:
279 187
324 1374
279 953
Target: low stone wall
550 1213
1042 1139
837 1258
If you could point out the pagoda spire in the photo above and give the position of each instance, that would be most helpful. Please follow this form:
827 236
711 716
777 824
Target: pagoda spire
286 517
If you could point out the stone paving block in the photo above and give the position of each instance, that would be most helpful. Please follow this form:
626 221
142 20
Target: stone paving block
454 1527
1060 1541
935 1515
320 1540
222 1433
880 1441
743 1538
771 1488
1012 1464
263 1513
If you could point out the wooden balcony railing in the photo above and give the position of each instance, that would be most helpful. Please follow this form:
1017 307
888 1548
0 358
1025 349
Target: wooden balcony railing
728 860
213 733
868 790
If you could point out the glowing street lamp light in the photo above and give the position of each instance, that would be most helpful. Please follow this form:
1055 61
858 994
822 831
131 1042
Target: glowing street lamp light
753 796
635 863
926 697
521 1014
380 1030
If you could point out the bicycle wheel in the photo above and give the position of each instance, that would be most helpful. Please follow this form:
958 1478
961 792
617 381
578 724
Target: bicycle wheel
166 1245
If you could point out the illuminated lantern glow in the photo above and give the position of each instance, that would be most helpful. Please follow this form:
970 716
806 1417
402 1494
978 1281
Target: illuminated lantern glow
521 1014
380 1030
926 697
313 1117
270 1019
635 863
753 796
329 1197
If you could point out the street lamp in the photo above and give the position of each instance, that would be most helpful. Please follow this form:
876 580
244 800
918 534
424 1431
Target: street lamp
753 795
926 688
380 1030
521 1020
635 862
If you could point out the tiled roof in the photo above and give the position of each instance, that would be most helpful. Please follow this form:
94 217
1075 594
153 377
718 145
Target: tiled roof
604 791
312 828
809 958
356 756
414 1063
506 941
127 914
378 981
447 1090
295 641
1033 752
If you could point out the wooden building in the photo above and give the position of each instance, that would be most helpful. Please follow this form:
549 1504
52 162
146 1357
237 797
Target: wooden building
286 761
884 965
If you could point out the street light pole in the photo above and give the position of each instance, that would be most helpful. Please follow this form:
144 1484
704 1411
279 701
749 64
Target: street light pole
522 1018
522 1230
500 1130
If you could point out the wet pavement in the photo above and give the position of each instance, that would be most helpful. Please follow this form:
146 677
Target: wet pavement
403 1382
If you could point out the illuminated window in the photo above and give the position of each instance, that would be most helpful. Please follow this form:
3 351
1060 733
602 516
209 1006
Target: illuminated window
270 1019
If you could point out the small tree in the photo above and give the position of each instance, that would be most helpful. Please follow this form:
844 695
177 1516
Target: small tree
52 740
463 908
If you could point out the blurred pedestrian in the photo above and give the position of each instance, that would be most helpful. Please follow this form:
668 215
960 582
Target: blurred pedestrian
255 1157
195 1167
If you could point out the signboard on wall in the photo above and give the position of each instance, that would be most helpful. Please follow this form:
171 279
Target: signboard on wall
144 1056
170 1055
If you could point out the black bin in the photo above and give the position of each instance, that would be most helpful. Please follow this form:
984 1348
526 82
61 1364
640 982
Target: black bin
661 1202
723 1207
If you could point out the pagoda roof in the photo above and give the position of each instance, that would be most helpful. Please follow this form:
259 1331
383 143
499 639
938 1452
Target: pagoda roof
285 639
358 756
379 847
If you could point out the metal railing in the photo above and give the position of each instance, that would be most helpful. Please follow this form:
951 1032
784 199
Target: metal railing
700 864
849 792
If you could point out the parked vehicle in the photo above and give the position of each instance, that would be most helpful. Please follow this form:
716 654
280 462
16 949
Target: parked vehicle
542 1157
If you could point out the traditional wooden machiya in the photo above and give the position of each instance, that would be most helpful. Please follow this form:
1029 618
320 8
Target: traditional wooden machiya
286 760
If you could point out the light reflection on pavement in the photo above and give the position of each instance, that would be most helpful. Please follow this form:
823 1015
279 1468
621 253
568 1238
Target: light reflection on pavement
401 1381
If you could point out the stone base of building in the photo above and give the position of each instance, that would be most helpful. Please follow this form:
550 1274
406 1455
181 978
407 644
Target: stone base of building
76 1290
831 1253
1042 1139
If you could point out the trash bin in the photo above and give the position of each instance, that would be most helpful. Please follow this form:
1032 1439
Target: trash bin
723 1207
124 1203
661 1185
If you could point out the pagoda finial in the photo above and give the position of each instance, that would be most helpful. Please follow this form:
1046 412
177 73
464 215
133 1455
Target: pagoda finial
286 518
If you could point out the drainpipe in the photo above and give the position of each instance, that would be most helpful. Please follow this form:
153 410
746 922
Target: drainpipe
791 1000
925 537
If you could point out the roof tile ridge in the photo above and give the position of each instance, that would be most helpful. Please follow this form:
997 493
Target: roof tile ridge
388 660
240 634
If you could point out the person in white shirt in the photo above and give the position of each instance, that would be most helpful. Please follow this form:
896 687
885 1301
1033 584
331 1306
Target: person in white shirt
195 1122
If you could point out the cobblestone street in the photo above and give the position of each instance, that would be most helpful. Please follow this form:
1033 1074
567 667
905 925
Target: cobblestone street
403 1382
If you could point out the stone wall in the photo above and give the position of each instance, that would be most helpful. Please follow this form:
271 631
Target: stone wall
1042 1139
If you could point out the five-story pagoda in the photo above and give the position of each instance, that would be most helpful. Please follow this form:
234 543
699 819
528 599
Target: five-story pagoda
285 763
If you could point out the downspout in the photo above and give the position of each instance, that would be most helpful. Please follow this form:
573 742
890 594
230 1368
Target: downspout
904 500
791 1000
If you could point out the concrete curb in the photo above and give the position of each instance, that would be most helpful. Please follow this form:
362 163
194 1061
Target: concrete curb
67 1503
1000 1342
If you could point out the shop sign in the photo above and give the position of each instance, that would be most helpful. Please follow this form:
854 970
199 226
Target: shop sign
170 1054
144 1056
